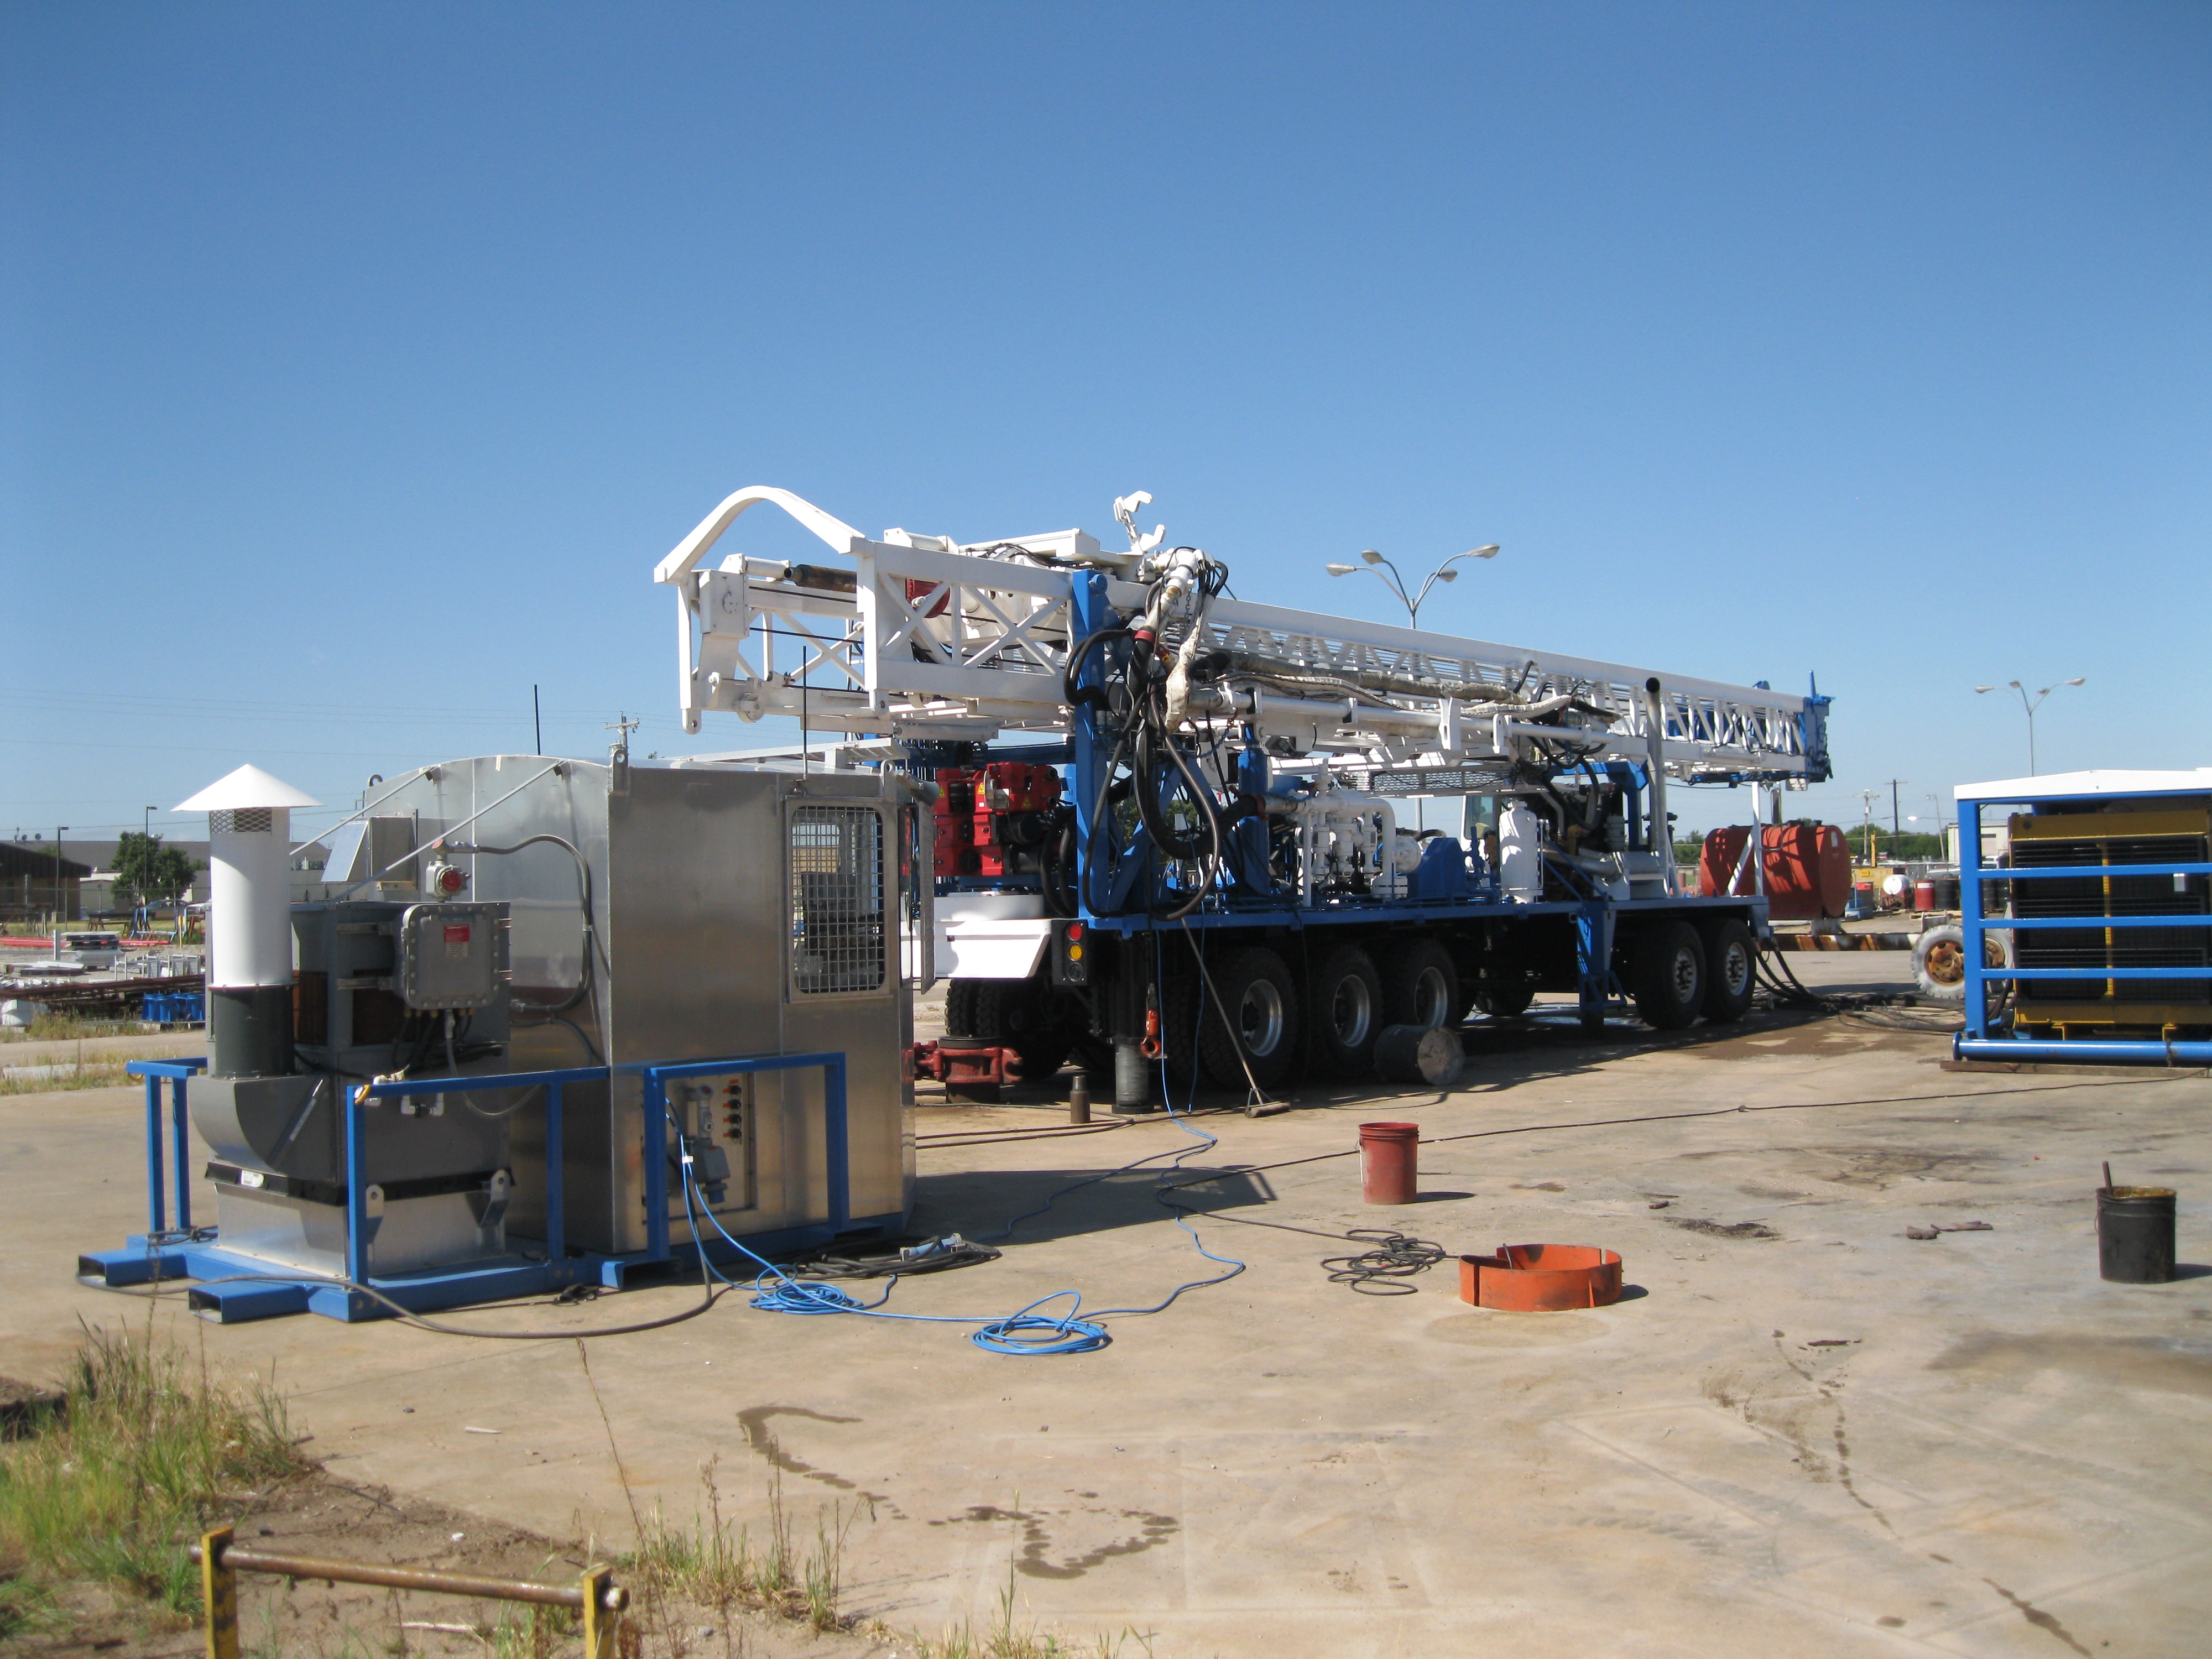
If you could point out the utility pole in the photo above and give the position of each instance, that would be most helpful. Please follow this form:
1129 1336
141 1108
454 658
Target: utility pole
59 829
1896 822
1866 798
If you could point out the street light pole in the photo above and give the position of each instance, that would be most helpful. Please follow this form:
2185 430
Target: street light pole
1387 572
2029 708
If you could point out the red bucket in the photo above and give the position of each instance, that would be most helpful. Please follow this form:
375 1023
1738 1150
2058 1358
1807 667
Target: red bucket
1390 1162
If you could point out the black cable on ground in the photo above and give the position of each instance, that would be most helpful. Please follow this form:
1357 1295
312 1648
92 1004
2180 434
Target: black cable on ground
895 1265
407 1315
1383 1269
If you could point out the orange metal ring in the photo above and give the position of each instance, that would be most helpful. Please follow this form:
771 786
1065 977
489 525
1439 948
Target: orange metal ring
1541 1278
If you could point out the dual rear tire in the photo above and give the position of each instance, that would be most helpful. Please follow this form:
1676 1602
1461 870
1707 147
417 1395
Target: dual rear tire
1681 975
1350 1001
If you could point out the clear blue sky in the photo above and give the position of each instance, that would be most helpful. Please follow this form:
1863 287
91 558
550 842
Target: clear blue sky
357 363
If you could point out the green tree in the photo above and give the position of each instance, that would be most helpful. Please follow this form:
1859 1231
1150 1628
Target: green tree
151 869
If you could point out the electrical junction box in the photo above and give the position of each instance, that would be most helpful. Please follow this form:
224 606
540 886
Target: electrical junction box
452 955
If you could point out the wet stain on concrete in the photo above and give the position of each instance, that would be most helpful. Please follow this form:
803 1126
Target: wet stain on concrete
754 1422
1837 1435
1879 1167
1036 1560
1721 1229
2036 1617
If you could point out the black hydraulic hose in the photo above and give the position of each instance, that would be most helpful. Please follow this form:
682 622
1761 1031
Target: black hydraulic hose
1071 693
1087 867
1169 839
1058 860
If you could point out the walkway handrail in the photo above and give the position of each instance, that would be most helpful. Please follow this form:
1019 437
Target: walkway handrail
595 1596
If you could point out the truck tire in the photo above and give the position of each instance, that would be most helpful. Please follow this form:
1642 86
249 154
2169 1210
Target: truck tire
1731 972
1260 1000
960 1008
1343 1012
1420 987
1669 968
1504 1003
1011 1013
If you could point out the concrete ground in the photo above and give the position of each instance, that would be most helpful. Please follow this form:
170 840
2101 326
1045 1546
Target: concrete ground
1799 1434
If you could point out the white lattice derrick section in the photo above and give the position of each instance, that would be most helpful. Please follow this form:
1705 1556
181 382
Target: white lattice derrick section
931 636
991 629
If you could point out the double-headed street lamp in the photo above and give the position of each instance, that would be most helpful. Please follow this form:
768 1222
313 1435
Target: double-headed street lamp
2030 708
1375 565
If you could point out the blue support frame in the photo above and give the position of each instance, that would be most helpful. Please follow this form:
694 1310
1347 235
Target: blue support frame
1978 1041
233 1286
174 1073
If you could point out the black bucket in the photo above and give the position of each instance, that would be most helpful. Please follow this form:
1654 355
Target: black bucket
2135 1234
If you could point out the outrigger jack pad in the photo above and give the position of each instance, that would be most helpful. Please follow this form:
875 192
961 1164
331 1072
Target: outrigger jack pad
1541 1278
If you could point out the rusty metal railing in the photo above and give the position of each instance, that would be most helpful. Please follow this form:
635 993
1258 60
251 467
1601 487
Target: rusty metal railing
594 1596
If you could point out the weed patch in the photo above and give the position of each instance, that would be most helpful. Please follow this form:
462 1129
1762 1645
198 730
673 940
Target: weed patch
710 1563
138 1454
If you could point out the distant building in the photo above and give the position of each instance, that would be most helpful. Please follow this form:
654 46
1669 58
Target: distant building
34 882
90 887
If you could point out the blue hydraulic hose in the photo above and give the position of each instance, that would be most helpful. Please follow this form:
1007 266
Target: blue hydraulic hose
1026 1332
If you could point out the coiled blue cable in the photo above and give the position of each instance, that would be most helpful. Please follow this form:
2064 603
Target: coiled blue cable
1026 1333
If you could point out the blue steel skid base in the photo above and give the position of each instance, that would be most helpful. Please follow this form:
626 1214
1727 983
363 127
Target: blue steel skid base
256 1289
1983 1039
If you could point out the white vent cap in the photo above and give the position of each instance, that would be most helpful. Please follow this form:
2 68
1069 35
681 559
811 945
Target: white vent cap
249 786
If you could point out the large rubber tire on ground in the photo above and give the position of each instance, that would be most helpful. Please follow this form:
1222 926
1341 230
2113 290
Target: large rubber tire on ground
1420 987
1343 1012
1731 972
1669 967
1261 1001
1020 1014
1939 963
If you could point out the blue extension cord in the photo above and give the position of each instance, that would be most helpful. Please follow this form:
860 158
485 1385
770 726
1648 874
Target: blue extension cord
1023 1333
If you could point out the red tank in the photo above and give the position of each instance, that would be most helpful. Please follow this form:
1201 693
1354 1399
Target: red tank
1808 869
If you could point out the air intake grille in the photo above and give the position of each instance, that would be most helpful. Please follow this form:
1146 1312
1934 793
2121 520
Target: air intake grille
2103 838
836 900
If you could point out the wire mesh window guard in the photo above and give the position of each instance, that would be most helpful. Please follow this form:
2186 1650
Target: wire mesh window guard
836 900
245 821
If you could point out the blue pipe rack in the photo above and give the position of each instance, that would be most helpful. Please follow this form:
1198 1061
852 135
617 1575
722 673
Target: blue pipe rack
230 1286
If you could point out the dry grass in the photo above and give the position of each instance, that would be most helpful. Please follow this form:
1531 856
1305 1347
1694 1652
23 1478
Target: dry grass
710 1563
142 1451
1010 1635
51 1025
87 1074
